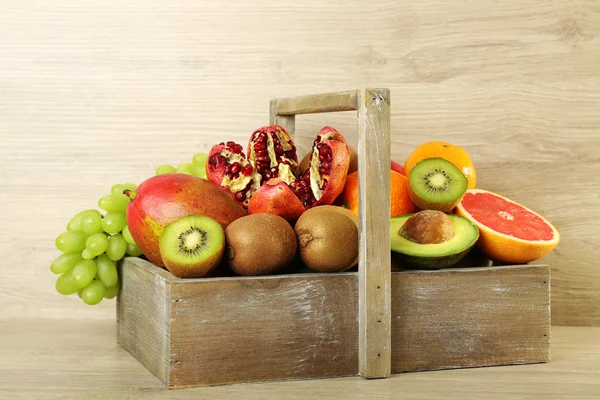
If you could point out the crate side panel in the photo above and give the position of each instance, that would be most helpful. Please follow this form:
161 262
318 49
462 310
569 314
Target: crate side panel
470 317
143 315
262 329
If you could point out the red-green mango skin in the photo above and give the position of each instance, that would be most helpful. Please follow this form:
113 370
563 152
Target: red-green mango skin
166 198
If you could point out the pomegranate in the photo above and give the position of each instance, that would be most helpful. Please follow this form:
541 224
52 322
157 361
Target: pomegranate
272 151
162 199
276 197
228 167
320 184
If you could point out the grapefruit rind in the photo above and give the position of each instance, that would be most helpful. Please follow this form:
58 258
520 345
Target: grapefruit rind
506 248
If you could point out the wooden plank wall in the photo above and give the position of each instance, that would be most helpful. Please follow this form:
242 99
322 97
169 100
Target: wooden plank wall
93 93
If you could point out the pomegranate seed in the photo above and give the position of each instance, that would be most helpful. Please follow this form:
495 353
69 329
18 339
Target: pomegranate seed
322 157
278 149
324 184
247 170
240 196
222 144
263 158
261 145
227 168
231 144
235 168
222 160
261 152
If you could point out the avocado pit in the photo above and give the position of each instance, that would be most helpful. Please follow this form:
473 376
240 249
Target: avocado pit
427 227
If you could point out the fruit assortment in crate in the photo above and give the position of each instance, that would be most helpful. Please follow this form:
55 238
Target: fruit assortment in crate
430 226
257 211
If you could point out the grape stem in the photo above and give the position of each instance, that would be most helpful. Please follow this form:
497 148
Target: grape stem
130 193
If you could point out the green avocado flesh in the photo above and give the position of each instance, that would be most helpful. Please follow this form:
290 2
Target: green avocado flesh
433 256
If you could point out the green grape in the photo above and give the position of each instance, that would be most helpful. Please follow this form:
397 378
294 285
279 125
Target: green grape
185 168
93 293
117 247
111 292
133 250
86 255
114 203
91 223
118 188
96 244
165 169
127 235
200 159
65 262
199 171
65 284
84 272
107 271
71 242
79 293
74 224
114 222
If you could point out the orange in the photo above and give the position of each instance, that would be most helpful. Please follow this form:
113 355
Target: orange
456 155
400 202
508 231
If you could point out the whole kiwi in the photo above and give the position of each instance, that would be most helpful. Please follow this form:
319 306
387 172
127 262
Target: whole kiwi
328 238
259 244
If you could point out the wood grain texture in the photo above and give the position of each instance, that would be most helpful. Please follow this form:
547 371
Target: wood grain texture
299 326
232 330
318 103
143 316
73 359
374 300
374 272
95 93
470 317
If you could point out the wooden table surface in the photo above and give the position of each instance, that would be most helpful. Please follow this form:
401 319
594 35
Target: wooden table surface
79 359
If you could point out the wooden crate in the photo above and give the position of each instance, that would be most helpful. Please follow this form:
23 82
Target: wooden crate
211 331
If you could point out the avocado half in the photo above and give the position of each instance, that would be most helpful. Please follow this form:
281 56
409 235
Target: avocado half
433 256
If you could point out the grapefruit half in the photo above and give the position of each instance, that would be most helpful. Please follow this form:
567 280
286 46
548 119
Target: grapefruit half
509 232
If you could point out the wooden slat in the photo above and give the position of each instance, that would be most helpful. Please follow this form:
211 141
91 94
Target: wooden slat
287 121
243 329
143 314
458 318
279 327
320 103
374 234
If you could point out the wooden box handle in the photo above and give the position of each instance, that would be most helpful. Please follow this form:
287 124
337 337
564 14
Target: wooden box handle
374 289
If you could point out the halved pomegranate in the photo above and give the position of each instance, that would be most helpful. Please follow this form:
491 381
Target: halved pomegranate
228 167
321 184
272 152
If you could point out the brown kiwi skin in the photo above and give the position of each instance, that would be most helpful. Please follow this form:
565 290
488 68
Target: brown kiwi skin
259 244
327 239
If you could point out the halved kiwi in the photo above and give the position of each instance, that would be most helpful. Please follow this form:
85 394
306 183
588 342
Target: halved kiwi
436 184
192 246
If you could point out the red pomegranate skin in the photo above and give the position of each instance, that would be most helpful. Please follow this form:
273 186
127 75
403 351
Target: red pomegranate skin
163 199
275 197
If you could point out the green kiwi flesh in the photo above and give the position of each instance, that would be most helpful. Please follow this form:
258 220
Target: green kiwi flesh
436 184
192 246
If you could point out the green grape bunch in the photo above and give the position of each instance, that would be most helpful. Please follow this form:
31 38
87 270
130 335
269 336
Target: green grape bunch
94 242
